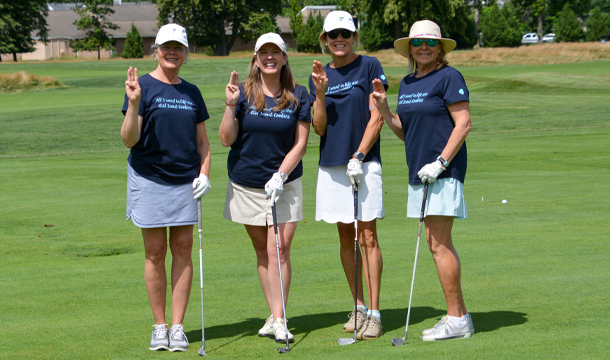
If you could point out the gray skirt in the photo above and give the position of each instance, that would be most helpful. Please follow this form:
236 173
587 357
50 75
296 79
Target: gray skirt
152 205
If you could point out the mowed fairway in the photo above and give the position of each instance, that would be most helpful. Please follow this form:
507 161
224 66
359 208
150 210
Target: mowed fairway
535 271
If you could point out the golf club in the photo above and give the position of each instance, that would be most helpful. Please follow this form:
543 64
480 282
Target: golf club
349 341
400 341
279 265
202 350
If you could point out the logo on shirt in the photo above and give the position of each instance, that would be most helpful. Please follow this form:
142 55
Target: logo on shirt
461 91
382 77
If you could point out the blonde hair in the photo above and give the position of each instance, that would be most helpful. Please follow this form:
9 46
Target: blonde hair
253 88
442 60
323 41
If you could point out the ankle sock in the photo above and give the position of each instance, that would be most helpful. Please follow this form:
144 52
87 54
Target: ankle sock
459 321
362 308
374 313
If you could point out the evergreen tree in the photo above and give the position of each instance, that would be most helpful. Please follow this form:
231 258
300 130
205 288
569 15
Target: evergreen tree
134 45
309 36
567 27
258 25
296 20
500 27
598 24
93 19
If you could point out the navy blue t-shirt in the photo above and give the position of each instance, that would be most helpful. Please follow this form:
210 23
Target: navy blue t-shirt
347 110
167 150
426 121
264 139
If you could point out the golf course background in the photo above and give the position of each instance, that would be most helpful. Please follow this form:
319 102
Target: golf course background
535 271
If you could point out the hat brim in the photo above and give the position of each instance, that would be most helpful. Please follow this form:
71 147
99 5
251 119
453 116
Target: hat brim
402 45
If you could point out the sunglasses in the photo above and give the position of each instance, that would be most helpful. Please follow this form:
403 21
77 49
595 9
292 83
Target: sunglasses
420 42
346 34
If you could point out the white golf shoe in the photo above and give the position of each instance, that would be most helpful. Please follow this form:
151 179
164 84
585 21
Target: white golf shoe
266 329
279 330
177 339
447 330
159 339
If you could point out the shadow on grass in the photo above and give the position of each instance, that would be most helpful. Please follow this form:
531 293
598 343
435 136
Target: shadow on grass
302 326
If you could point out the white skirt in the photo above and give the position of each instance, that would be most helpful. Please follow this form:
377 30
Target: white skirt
445 198
335 198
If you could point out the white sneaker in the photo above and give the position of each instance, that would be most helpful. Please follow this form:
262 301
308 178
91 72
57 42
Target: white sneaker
159 339
177 339
447 330
279 330
266 329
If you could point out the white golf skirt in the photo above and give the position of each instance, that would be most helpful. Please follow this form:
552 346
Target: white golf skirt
335 198
445 198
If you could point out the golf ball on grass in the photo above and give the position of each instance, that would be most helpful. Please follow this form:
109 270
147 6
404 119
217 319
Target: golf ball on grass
504 201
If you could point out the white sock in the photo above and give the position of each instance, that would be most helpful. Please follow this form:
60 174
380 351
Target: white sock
362 308
374 313
459 321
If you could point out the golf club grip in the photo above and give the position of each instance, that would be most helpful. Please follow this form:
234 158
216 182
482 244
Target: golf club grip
423 203
199 214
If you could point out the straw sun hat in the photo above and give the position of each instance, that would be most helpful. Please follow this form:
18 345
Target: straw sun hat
424 29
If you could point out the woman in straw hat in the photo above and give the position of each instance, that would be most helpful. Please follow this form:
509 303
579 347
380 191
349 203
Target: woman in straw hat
266 124
433 119
164 127
349 144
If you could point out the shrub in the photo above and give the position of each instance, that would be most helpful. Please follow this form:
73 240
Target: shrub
500 27
309 36
134 45
568 28
20 81
598 24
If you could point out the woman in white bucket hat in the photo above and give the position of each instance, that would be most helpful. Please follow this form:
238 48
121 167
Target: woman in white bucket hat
164 127
349 145
433 119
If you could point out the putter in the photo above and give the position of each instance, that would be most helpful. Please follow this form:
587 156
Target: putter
401 341
349 341
279 265
202 350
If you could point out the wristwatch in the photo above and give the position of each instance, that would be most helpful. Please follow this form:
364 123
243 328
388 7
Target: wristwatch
443 161
358 155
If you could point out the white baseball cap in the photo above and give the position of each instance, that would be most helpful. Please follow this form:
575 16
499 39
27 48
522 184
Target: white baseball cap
339 20
270 38
172 32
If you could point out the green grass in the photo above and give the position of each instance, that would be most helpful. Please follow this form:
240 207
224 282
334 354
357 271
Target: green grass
535 270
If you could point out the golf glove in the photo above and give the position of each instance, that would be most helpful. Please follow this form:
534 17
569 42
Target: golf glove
201 186
430 172
275 184
354 172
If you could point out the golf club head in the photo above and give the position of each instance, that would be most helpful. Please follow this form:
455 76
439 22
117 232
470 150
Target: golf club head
202 352
283 350
398 341
346 341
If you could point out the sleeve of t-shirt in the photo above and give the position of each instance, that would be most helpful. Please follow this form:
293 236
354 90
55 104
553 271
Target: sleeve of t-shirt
241 105
304 106
376 72
454 88
203 113
126 106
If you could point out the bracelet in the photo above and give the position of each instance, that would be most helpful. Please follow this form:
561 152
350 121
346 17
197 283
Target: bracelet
230 104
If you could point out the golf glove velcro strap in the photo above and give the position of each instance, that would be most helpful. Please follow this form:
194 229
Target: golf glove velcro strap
275 184
201 185
354 172
430 172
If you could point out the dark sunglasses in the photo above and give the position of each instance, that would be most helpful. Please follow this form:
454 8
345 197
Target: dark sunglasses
346 34
420 42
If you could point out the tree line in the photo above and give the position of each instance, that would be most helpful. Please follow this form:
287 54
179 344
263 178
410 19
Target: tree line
217 24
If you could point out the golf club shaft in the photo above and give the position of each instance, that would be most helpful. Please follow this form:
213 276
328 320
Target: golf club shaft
356 261
199 226
421 221
279 265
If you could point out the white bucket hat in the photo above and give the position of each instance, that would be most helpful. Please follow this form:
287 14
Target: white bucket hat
424 29
172 32
339 20
270 38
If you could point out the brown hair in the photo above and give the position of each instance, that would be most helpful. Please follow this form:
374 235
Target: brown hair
254 89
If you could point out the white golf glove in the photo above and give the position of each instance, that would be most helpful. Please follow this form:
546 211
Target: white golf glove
276 184
354 172
430 172
201 185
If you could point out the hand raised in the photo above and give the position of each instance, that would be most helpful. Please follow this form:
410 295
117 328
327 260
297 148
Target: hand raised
232 89
132 85
380 98
319 77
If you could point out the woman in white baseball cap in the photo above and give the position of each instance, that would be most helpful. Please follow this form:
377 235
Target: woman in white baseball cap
164 127
350 162
266 124
433 119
